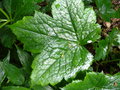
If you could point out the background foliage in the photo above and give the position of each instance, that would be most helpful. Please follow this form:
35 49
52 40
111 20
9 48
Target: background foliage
59 44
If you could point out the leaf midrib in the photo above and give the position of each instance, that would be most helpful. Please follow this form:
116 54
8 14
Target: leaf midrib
72 22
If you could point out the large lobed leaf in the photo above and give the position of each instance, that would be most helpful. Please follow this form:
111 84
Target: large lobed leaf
59 40
96 81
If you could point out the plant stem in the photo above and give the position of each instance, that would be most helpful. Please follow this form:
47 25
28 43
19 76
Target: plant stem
4 13
3 20
4 23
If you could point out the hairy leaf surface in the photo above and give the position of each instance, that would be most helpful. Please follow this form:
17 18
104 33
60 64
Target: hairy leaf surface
59 40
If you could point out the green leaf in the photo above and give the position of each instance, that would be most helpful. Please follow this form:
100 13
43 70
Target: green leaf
7 37
38 87
59 40
25 59
105 45
114 36
101 50
2 71
13 73
14 88
19 8
80 21
105 9
7 58
96 81
54 64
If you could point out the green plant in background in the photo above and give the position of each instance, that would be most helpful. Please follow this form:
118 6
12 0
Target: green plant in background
95 81
6 21
62 49
106 11
11 11
105 46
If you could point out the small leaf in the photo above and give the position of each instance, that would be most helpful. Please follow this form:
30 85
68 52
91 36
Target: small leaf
7 37
25 59
96 81
19 8
2 71
105 10
14 88
59 40
104 45
102 50
114 36
7 58
13 73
